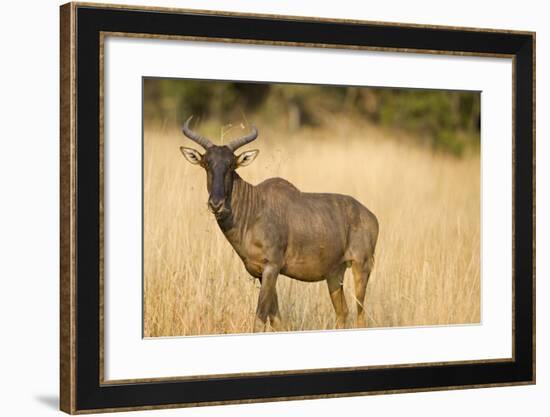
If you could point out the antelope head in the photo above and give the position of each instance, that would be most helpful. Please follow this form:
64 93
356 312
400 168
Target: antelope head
219 162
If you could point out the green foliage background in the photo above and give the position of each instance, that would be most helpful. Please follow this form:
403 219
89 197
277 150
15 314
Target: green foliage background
448 121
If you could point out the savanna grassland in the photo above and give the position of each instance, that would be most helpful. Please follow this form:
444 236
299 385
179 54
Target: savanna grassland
427 269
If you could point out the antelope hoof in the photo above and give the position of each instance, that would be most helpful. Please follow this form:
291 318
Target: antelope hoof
361 322
341 323
259 325
276 324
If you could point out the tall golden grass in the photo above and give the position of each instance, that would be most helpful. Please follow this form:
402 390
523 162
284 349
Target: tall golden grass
427 269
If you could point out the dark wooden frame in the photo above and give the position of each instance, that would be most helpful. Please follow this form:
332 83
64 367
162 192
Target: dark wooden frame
82 387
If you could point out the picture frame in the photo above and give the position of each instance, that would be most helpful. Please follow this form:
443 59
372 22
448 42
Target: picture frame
84 27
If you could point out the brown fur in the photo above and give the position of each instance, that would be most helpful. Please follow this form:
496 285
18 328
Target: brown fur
277 229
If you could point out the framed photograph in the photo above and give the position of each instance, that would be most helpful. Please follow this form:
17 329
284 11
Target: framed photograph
264 208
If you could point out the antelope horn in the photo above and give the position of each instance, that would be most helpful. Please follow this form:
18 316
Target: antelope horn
201 140
237 143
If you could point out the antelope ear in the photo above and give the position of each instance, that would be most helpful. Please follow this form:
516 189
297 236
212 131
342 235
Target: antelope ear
246 158
191 155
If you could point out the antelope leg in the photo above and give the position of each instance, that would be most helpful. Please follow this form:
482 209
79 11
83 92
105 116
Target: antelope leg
335 284
267 297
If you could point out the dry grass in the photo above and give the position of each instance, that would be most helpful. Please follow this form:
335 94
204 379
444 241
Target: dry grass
427 269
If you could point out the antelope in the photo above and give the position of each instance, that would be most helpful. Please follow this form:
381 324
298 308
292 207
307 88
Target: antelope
277 229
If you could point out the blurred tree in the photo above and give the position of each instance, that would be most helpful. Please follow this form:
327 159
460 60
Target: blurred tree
447 120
